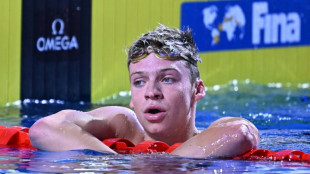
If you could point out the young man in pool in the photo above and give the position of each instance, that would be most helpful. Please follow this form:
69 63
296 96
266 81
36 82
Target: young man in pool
165 88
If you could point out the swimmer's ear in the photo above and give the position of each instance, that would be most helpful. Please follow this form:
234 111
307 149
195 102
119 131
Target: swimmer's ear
199 90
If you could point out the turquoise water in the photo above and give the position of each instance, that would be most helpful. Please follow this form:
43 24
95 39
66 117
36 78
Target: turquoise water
85 161
280 111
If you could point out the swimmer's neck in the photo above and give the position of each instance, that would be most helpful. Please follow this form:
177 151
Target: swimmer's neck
172 138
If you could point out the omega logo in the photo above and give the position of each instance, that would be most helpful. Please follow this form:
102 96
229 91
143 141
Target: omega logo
59 41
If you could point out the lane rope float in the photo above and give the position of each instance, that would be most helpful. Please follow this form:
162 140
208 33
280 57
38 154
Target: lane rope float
15 136
18 137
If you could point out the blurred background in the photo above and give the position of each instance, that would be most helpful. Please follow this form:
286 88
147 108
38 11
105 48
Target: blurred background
74 50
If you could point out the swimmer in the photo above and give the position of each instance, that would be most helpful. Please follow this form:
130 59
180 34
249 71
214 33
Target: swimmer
165 87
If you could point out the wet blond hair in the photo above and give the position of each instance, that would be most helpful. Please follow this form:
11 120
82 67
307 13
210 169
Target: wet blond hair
176 40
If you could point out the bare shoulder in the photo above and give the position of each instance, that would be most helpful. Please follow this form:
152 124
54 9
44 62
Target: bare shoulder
102 123
231 121
111 111
122 120
226 137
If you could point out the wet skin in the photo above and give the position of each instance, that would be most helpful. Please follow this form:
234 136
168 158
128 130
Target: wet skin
163 98
164 102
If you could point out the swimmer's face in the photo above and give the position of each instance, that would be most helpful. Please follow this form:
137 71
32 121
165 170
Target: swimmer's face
161 95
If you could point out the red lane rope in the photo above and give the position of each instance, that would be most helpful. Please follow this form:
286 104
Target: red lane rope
17 136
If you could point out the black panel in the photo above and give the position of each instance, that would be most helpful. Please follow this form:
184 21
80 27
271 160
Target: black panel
56 76
56 65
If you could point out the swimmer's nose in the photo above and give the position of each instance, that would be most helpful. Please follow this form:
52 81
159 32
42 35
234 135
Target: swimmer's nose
153 91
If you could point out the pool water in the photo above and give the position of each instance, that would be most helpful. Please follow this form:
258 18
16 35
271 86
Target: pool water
82 161
280 111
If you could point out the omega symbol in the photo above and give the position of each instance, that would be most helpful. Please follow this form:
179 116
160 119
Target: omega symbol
59 41
62 26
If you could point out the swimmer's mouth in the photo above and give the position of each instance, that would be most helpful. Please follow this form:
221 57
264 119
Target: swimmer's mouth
154 111
154 114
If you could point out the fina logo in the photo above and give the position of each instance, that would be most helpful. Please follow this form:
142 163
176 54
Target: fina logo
270 23
267 28
58 42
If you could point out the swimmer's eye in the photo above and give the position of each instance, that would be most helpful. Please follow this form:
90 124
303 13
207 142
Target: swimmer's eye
138 83
168 80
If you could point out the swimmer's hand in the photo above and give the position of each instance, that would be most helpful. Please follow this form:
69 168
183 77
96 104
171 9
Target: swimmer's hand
226 137
73 130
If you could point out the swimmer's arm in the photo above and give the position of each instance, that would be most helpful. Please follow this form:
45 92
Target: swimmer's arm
65 130
69 129
226 137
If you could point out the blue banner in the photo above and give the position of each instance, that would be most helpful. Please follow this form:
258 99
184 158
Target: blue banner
247 24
